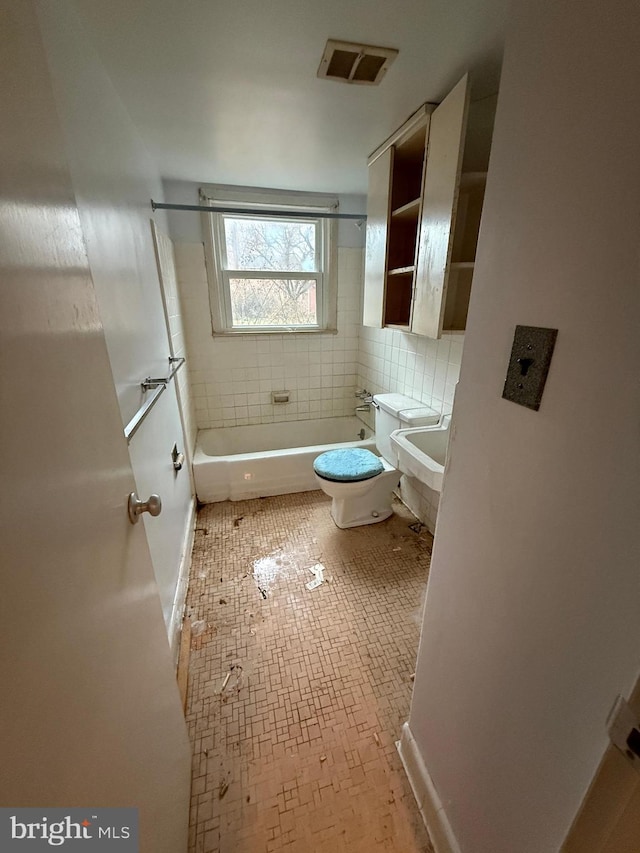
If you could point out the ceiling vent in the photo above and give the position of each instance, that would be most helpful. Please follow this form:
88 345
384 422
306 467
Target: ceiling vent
355 63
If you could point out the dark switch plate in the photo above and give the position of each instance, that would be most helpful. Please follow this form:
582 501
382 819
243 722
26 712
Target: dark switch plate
529 364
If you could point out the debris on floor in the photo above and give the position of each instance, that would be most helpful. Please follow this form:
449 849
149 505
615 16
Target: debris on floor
236 521
417 527
202 632
280 742
233 681
198 627
318 572
267 569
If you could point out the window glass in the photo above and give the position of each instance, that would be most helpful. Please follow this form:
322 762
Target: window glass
270 245
274 268
273 302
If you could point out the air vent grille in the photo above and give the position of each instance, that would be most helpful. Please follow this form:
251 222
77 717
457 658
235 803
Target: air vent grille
349 62
341 63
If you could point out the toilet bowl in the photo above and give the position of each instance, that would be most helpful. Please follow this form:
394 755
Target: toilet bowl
357 502
361 483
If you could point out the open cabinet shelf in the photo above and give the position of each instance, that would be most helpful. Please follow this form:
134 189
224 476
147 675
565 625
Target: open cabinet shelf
408 211
424 207
402 270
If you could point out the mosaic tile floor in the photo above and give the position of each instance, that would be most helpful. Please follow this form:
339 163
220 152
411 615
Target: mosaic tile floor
297 696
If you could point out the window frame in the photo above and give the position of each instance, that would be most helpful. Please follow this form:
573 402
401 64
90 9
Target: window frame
219 275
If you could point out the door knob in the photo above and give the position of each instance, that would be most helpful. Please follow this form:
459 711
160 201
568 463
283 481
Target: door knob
136 507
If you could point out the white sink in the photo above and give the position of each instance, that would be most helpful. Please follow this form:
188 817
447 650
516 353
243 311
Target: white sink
422 452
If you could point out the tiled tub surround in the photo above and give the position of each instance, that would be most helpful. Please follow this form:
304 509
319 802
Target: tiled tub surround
232 378
422 368
175 320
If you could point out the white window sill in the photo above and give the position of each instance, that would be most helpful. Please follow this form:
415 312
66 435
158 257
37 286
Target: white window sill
228 333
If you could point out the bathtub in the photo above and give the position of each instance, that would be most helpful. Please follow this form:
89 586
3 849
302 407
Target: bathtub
236 463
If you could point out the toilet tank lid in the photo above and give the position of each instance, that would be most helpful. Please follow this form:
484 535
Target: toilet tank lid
396 403
424 416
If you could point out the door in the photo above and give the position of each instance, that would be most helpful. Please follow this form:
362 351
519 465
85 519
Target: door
375 267
90 708
113 181
609 819
437 218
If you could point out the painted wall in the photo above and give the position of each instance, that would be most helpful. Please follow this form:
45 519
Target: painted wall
91 714
113 180
186 226
531 624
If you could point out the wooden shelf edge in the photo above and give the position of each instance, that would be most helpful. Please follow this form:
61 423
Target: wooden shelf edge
414 121
401 270
398 326
407 211
462 265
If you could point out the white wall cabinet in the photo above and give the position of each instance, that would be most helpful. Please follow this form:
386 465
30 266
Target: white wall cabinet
423 216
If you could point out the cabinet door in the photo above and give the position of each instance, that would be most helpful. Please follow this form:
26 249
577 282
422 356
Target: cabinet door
375 267
437 219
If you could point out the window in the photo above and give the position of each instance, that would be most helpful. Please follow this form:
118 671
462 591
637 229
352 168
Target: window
270 273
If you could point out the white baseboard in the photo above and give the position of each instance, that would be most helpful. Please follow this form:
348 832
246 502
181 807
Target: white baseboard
177 612
429 803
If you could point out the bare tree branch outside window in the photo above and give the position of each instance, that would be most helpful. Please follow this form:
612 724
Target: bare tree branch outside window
271 246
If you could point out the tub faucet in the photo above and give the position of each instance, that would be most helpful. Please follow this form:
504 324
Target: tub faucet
365 396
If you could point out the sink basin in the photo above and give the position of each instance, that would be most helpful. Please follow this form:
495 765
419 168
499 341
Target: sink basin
422 452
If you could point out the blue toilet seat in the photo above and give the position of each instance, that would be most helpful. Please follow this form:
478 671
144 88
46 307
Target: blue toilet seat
350 465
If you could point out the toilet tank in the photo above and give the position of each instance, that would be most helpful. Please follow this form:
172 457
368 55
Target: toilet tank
396 411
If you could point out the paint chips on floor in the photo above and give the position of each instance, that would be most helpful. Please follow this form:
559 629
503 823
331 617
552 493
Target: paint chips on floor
296 699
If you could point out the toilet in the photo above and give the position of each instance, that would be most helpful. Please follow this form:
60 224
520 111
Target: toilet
361 483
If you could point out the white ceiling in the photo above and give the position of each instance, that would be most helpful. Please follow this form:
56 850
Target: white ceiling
225 91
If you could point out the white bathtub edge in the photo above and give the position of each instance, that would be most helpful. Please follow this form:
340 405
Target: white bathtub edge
246 476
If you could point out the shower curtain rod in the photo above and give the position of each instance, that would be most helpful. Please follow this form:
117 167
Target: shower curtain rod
295 214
